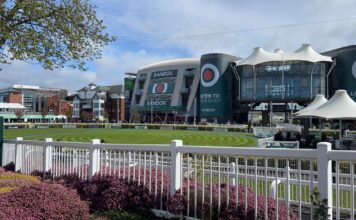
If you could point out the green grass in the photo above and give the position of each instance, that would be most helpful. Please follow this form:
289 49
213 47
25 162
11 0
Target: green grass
130 136
122 215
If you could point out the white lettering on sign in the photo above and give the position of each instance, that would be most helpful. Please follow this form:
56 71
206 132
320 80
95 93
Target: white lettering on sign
159 102
208 110
207 96
277 68
167 73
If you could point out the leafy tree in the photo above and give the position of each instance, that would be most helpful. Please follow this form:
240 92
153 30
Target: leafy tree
44 112
69 113
53 32
86 116
135 115
19 113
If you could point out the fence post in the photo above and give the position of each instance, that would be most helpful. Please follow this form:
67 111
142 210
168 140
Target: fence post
94 158
18 154
176 172
325 175
233 173
1 141
47 155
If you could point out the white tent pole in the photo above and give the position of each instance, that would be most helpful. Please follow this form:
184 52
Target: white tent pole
340 132
321 133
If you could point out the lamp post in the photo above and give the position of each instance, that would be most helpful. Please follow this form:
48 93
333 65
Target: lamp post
195 109
151 111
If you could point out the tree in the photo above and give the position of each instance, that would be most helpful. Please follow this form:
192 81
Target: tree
44 113
86 116
135 115
53 32
19 113
68 112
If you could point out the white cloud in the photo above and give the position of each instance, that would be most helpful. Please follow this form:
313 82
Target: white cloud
155 30
109 71
20 72
169 22
111 68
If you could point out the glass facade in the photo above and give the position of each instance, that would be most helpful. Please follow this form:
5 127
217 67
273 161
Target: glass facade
28 100
289 80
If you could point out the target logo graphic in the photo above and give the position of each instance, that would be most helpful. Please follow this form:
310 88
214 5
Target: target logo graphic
159 88
353 69
209 75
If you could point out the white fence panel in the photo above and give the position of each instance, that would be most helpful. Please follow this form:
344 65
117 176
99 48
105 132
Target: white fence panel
200 173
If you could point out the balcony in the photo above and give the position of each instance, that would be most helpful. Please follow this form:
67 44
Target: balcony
139 92
184 90
142 77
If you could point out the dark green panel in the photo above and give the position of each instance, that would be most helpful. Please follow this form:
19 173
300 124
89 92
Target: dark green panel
160 88
1 138
346 72
215 87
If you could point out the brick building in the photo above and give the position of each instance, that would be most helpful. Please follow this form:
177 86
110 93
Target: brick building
99 103
37 99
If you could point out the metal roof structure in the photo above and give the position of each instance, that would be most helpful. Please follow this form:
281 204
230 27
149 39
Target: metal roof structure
304 53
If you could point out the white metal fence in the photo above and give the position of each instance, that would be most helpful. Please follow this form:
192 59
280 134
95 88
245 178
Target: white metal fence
291 175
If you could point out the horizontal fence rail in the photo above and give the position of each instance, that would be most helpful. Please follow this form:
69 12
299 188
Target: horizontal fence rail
213 177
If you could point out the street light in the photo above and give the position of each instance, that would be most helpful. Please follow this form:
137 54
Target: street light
151 111
195 109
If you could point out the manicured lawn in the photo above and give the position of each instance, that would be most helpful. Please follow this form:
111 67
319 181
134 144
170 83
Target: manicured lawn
131 136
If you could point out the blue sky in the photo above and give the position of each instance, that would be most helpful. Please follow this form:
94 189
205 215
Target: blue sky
150 31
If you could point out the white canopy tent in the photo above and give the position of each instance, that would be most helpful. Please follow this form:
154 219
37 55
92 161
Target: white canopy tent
340 107
317 102
304 53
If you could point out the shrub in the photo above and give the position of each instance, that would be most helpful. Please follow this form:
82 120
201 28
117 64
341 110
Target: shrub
10 181
10 166
124 195
43 175
177 204
46 201
10 213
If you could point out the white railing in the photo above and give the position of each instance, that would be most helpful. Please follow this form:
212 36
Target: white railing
264 132
262 141
291 175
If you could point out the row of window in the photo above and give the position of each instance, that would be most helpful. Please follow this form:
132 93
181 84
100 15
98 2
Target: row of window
287 68
7 110
272 87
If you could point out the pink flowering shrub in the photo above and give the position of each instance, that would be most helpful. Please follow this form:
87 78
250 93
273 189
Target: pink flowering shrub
10 213
44 201
9 167
177 204
142 192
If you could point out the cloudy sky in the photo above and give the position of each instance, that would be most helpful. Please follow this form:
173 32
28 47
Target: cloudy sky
150 31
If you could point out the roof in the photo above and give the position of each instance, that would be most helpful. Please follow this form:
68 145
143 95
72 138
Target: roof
100 95
317 102
335 52
116 88
340 106
304 53
173 63
11 105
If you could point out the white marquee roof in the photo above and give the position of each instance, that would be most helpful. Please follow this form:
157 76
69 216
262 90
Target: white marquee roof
11 105
304 53
317 102
340 106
